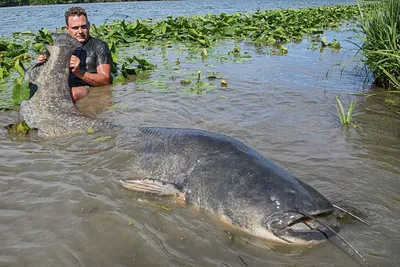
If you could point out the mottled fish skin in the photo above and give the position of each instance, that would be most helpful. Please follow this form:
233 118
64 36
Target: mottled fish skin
51 110
222 175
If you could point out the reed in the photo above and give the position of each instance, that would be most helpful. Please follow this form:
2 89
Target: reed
381 42
343 117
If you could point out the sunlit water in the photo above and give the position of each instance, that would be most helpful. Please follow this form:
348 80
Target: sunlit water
60 204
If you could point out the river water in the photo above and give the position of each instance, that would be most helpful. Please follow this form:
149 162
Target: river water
60 205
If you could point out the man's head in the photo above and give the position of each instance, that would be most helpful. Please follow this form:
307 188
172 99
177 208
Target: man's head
77 24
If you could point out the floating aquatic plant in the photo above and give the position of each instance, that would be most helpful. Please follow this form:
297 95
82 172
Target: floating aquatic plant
334 44
19 127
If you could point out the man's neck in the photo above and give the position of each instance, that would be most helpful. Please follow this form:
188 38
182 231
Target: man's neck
86 40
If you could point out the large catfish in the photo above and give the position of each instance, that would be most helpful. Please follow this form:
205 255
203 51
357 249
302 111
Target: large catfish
51 110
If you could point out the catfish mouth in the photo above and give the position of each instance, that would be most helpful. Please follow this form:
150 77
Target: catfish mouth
299 227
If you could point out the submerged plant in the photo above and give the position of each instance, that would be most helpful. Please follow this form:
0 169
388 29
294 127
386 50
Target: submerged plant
343 117
392 101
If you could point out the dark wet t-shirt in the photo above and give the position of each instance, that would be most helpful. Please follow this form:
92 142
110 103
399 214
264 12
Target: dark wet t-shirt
92 54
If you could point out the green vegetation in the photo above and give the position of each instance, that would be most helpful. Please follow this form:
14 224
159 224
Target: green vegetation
20 127
343 117
261 27
198 36
381 42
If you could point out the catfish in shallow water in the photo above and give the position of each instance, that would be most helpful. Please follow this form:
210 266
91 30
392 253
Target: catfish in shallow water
222 175
51 109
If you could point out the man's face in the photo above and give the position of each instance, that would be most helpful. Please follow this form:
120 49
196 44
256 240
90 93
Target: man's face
78 27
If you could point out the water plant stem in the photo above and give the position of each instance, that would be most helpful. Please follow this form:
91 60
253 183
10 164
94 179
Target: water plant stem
343 117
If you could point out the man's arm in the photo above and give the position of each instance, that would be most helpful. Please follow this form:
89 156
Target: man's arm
101 78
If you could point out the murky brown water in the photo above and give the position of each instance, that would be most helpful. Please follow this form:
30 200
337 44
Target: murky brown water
60 205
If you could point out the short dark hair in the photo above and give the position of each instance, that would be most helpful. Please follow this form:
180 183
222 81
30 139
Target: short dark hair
74 11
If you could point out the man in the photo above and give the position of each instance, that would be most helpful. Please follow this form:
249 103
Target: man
91 64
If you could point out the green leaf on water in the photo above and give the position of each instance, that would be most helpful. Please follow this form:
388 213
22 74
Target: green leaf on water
1 74
284 50
20 91
19 67
39 47
119 79
22 127
209 86
163 27
27 33
91 131
144 64
193 33
204 52
186 82
334 44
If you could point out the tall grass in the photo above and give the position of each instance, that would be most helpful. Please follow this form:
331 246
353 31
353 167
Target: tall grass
381 42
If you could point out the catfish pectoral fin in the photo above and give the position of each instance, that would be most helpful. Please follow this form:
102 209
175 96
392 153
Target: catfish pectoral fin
153 186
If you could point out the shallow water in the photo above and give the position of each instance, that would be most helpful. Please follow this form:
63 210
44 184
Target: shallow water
60 204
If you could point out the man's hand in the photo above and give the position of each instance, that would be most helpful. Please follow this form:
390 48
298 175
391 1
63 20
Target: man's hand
74 65
41 59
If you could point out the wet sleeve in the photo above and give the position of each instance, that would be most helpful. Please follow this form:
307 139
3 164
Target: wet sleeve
103 54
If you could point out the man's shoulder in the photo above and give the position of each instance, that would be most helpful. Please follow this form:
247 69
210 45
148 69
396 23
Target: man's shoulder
98 50
95 41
